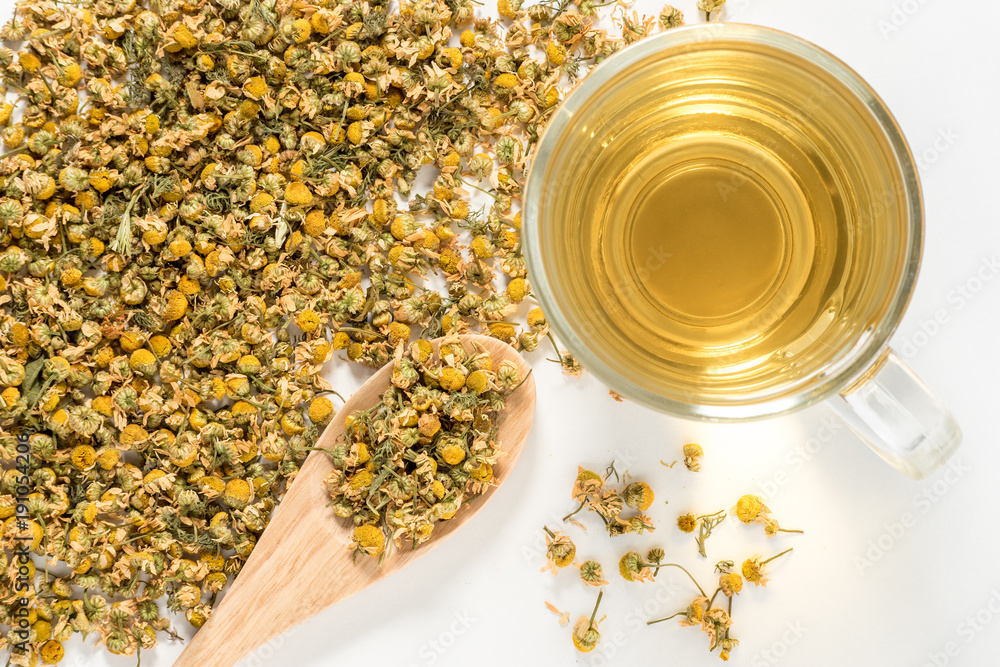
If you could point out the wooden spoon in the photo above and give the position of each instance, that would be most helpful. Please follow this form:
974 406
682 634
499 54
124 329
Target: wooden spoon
302 563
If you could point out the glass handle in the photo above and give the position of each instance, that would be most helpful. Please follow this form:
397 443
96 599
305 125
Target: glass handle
892 410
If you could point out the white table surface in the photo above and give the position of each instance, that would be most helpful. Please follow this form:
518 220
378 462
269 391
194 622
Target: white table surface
889 572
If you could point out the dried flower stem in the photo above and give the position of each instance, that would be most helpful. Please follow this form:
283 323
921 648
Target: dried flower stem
578 509
667 618
600 596
695 581
708 523
765 562
712 599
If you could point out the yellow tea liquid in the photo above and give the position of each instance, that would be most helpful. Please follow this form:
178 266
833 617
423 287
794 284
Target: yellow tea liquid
731 229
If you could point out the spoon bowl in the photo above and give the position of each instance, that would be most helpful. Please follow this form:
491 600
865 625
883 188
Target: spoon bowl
302 564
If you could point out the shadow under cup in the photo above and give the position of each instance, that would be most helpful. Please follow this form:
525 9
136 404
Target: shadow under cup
786 223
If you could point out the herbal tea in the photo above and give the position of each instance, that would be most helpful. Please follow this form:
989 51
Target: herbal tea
731 231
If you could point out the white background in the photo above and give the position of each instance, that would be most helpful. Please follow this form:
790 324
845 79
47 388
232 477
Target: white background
889 572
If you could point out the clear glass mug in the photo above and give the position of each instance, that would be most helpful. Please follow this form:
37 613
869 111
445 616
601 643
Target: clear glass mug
866 384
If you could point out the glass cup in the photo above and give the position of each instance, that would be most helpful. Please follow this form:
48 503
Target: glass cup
853 369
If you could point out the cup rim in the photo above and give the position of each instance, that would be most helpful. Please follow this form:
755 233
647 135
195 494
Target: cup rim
831 379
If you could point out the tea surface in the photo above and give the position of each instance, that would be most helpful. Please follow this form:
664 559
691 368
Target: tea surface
735 228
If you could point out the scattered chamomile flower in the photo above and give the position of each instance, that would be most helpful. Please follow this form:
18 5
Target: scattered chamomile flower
711 620
585 632
730 583
559 551
716 625
692 456
753 568
632 567
670 17
593 493
570 365
692 615
727 644
710 6
638 496
591 573
772 528
587 484
655 556
750 508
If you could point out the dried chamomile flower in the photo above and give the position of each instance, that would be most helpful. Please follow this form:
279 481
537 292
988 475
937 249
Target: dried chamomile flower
638 496
692 615
588 484
585 632
594 493
750 508
670 17
713 621
695 612
730 583
727 645
51 652
588 488
771 528
369 539
692 456
686 523
710 6
570 366
591 573
637 524
632 567
716 625
559 551
753 568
